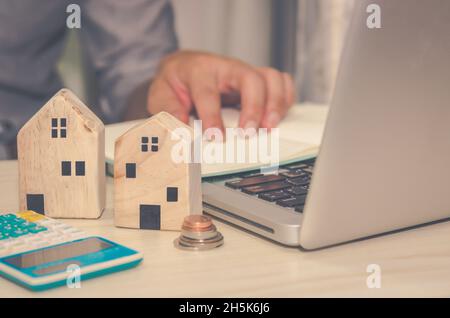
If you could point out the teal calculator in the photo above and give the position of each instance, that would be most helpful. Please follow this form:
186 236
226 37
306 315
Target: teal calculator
39 253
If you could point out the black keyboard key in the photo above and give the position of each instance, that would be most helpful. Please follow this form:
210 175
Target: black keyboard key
266 187
274 196
310 162
291 202
231 183
309 169
297 166
252 174
300 208
299 181
238 184
297 190
294 174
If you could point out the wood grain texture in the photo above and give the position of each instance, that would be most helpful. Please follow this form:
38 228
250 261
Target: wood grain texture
41 156
414 263
155 172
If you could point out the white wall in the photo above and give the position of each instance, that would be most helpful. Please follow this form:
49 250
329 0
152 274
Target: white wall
239 28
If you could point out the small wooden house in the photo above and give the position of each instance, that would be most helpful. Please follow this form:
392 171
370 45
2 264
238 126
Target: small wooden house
151 190
61 152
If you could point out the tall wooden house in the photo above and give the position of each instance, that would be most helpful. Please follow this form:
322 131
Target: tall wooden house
62 160
151 190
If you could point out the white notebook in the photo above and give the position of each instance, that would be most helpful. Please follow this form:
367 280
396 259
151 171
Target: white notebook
300 136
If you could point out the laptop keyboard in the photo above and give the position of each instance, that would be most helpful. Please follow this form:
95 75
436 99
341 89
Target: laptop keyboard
288 187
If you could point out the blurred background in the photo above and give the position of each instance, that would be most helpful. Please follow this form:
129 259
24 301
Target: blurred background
302 37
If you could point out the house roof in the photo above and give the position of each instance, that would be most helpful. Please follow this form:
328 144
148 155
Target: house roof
66 98
163 119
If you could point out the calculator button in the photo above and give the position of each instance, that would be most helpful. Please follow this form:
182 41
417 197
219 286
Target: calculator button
21 232
47 223
14 234
48 234
37 229
65 228
29 230
69 230
30 216
29 237
77 234
19 221
60 239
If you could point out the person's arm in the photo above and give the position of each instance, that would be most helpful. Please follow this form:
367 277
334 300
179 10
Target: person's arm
125 41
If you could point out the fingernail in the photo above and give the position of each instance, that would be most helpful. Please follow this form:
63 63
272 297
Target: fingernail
250 128
207 135
213 134
251 124
273 119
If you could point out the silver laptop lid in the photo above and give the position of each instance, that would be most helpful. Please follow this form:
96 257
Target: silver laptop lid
384 163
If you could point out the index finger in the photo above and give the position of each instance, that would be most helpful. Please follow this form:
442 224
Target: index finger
206 97
252 89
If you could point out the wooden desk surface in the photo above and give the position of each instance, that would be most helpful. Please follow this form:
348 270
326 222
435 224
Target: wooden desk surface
413 263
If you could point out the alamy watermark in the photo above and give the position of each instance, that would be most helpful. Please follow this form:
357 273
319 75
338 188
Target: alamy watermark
73 276
374 19
249 146
73 20
374 278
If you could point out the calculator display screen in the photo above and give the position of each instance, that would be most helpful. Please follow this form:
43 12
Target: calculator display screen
61 252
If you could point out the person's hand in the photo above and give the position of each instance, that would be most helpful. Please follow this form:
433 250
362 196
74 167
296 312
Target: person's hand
206 81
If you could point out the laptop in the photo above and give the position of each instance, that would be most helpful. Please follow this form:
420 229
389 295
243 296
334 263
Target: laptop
383 164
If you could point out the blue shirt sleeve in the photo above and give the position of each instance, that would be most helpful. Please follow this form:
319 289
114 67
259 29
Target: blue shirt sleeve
124 42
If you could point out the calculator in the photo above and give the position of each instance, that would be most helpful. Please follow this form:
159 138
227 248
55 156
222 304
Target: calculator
39 253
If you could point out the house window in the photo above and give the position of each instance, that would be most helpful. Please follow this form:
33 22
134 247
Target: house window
154 144
130 169
54 127
144 144
66 168
59 124
80 168
172 194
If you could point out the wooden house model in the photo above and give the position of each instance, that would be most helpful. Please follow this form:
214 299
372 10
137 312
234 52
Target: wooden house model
151 190
62 160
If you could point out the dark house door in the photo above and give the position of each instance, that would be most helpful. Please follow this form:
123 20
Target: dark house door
35 202
150 217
